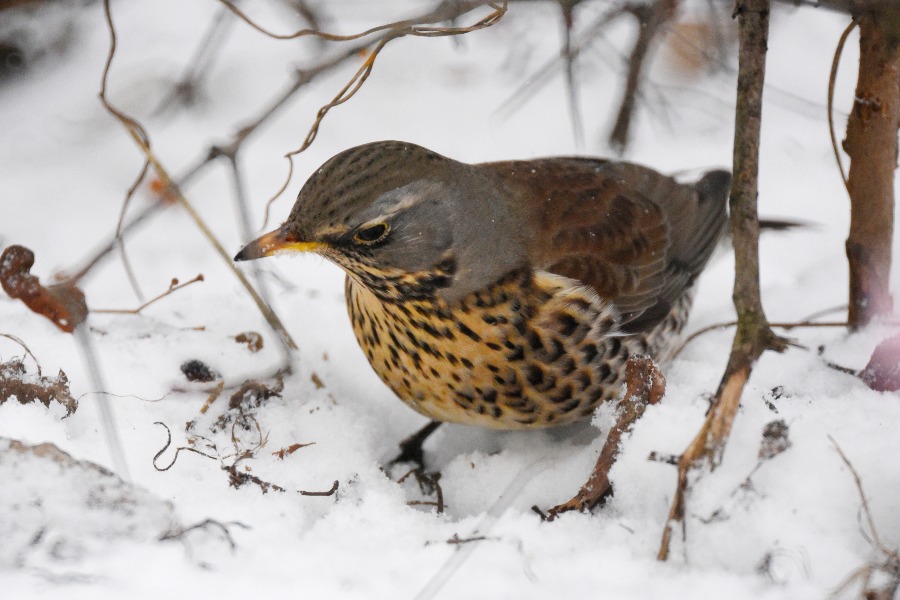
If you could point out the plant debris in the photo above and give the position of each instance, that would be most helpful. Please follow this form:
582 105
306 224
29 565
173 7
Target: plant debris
238 478
62 303
645 385
774 440
252 339
15 381
196 370
290 450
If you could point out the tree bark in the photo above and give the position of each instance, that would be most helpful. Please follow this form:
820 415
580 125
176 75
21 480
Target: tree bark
872 145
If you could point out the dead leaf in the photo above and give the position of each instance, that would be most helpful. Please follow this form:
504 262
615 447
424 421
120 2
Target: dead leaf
62 303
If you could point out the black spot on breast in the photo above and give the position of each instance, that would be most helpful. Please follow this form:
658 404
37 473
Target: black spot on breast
566 365
561 395
570 406
493 368
589 351
493 345
604 372
489 395
516 355
519 325
566 324
613 347
489 319
464 329
466 362
534 375
534 340
555 350
465 398
583 379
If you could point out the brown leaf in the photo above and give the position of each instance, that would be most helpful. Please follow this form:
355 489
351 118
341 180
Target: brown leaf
62 303
882 374
36 389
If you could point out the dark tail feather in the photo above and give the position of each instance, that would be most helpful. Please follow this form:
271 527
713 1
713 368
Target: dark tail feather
781 225
717 184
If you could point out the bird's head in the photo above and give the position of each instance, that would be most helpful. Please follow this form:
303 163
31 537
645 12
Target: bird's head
398 218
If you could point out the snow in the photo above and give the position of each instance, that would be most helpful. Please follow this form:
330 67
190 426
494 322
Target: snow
795 531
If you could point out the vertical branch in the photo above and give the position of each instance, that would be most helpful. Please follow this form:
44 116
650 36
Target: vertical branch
753 334
651 19
872 145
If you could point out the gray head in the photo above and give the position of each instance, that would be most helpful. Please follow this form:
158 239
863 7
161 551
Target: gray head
401 219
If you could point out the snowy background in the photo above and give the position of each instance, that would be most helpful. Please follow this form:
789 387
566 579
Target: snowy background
70 530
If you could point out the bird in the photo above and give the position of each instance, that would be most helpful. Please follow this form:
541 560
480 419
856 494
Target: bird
509 294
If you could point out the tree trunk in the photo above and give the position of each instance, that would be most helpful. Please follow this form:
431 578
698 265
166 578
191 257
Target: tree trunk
872 145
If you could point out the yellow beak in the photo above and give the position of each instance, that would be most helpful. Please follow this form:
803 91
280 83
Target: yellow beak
280 240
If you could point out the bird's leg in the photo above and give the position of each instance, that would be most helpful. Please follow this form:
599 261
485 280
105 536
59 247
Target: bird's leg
411 447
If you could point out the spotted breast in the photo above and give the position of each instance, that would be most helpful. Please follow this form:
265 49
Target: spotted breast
531 350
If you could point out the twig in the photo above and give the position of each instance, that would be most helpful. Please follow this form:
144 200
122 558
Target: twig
107 417
331 492
120 241
568 56
753 335
140 137
179 533
651 20
177 450
645 385
542 75
173 287
831 80
17 340
199 64
862 496
395 31
782 325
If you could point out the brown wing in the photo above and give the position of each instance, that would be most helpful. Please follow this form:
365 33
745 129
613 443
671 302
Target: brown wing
637 237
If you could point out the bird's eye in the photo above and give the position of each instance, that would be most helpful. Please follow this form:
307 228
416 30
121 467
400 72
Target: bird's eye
372 233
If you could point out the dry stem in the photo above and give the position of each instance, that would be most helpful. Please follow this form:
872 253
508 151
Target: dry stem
753 334
645 385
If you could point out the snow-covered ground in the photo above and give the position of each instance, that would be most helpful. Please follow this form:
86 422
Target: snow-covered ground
68 529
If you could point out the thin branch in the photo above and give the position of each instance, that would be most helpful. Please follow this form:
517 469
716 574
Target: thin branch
753 335
782 325
141 138
174 287
651 20
28 351
399 30
200 63
831 79
862 496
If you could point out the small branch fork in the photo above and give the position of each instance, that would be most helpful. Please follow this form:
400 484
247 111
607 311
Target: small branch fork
753 334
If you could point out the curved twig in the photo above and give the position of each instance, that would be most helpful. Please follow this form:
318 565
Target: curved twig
831 79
